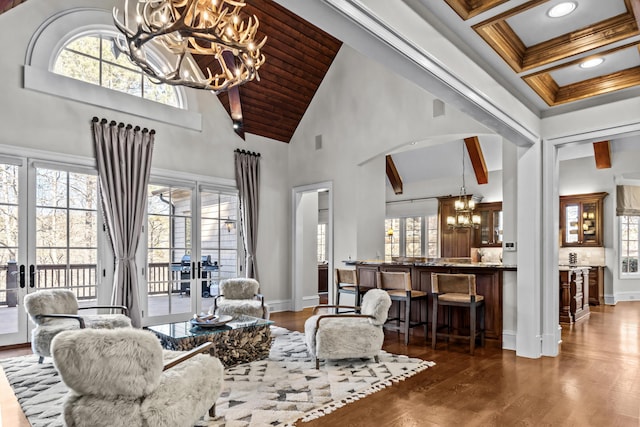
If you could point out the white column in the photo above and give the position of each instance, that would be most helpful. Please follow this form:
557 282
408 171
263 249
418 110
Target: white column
551 330
509 234
529 200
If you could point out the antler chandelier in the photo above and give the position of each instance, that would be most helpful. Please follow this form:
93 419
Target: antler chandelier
193 27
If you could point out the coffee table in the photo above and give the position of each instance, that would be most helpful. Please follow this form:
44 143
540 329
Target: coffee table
242 340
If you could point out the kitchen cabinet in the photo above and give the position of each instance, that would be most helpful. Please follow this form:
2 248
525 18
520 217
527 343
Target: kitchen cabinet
581 219
574 294
489 234
454 243
596 285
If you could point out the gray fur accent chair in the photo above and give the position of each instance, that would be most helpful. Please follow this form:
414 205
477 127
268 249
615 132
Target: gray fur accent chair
240 296
56 310
123 378
349 335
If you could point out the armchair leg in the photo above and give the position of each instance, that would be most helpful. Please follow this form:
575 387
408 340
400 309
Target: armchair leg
41 359
376 358
317 363
212 411
434 322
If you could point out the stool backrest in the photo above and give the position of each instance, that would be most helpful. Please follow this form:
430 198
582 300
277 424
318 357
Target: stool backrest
345 276
442 283
395 280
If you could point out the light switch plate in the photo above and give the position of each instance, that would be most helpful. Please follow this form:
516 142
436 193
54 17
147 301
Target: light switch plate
509 246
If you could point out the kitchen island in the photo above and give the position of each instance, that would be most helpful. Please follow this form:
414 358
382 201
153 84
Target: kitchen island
488 284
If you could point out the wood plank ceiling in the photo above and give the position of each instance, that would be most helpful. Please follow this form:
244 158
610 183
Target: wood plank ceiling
298 56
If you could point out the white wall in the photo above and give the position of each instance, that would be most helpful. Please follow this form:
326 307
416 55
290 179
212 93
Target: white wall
35 120
363 112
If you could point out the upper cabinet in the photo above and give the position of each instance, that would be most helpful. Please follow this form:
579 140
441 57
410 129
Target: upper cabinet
454 243
581 219
489 234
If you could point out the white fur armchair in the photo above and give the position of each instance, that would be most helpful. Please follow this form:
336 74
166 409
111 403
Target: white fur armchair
240 296
56 310
120 378
348 335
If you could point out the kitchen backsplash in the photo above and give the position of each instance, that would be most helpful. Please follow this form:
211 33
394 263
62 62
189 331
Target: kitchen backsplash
586 256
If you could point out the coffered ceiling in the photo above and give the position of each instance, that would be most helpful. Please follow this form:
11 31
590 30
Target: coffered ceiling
537 57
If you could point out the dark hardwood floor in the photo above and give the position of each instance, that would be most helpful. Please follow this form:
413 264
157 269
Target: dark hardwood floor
595 381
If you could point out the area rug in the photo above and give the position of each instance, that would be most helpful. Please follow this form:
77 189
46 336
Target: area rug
276 391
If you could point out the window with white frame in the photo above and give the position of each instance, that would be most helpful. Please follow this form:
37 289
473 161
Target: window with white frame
411 237
322 242
94 58
629 241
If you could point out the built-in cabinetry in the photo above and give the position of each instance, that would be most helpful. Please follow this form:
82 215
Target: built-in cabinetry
323 278
596 285
489 234
488 284
454 243
581 219
574 294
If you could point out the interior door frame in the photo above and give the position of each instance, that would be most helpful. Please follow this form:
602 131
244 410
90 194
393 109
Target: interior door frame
296 195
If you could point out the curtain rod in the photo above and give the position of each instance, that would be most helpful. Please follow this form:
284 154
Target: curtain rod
121 125
246 152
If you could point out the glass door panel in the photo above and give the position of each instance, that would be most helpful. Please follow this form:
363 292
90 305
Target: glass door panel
497 227
66 233
571 221
218 239
13 325
589 212
171 271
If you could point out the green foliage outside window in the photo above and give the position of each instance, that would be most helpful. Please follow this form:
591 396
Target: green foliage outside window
95 59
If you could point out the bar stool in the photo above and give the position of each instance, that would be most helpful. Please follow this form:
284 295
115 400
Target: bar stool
456 290
398 285
347 283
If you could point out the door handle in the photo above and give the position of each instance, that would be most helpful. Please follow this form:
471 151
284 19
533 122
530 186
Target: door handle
22 281
32 276
199 270
193 269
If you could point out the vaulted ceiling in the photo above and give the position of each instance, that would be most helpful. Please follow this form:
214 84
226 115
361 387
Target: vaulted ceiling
298 56
533 56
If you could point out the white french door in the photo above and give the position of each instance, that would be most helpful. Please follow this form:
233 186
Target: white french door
192 243
48 239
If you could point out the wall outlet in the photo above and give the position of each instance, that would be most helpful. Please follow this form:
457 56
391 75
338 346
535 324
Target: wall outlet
509 246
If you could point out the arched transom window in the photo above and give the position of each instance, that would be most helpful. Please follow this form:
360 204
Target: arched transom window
94 58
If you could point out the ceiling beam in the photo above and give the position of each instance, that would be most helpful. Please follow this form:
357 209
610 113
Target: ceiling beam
477 159
468 9
394 176
602 154
235 105
635 8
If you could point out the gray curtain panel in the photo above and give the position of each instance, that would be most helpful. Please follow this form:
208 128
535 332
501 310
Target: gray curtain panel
248 180
123 155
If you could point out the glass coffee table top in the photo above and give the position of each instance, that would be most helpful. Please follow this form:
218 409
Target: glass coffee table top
186 329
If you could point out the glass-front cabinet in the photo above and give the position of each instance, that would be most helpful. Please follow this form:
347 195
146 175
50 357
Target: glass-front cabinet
489 234
581 219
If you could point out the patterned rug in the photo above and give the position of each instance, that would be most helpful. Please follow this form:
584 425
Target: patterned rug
273 392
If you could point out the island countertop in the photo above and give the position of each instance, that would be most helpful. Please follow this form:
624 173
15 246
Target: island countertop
435 262
489 283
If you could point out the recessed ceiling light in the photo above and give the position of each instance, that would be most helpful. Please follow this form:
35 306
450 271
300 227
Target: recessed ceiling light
562 9
590 63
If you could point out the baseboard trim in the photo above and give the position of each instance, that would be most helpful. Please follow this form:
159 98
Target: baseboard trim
508 340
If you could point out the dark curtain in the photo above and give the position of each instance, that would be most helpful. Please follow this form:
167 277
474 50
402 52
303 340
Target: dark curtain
248 180
123 154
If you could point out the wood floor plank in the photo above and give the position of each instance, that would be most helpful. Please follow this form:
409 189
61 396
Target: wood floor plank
595 381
